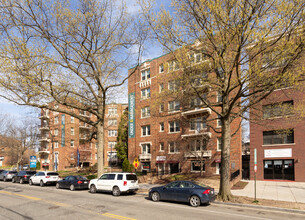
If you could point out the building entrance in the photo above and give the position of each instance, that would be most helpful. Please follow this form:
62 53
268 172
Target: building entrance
279 169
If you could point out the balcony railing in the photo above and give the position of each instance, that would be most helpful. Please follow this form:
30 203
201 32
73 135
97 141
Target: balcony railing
84 126
44 127
205 132
196 111
145 156
44 116
44 139
198 154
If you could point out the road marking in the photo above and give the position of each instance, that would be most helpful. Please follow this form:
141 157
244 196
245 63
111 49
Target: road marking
66 205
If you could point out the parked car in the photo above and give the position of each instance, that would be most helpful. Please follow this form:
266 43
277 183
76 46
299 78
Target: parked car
7 175
116 183
183 191
73 182
43 178
26 167
1 171
23 176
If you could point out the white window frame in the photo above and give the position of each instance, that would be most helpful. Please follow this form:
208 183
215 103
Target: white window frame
145 74
173 85
95 156
174 104
56 144
56 120
112 110
161 68
145 130
160 108
197 161
176 148
145 112
112 133
72 156
113 143
175 127
72 119
161 147
218 121
201 121
161 87
112 122
219 144
162 126
147 93
56 132
146 151
72 143
72 131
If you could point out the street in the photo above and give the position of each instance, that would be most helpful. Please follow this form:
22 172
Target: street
33 202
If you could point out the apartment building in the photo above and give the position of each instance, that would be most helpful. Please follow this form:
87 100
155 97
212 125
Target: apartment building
277 136
66 140
172 135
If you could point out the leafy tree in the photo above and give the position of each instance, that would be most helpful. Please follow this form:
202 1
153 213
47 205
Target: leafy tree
122 139
126 166
73 55
248 49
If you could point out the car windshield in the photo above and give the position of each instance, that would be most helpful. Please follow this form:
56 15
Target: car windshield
31 172
131 177
13 172
52 174
81 178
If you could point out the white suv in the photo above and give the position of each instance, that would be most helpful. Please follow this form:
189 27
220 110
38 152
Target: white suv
115 183
43 177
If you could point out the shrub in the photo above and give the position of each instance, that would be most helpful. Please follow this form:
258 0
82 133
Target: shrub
126 166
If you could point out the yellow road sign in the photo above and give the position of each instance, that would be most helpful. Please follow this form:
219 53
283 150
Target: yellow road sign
136 163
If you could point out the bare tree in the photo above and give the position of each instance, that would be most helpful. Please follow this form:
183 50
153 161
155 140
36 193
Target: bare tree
74 55
247 49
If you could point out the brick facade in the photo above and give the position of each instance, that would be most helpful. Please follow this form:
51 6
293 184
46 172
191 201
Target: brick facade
167 160
281 159
62 135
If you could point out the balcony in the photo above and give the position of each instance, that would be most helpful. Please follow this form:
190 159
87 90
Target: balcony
144 156
196 111
84 126
197 134
44 139
198 154
145 83
44 116
44 127
44 151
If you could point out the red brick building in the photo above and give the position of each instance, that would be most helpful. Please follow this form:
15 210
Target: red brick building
277 134
63 136
173 135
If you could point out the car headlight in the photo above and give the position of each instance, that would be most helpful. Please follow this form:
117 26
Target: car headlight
150 190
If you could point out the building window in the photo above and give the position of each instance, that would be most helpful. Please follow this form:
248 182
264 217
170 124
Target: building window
198 145
72 131
72 143
56 120
161 68
145 74
112 122
161 126
218 120
173 65
90 145
145 148
56 131
161 147
173 148
95 156
56 144
197 102
112 110
112 133
219 145
273 59
72 119
174 126
197 124
219 96
278 137
173 106
161 88
96 145
145 130
277 109
145 112
145 93
162 108
112 144
72 156
173 85
195 165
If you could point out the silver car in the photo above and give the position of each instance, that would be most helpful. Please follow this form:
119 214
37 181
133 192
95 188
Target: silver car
7 175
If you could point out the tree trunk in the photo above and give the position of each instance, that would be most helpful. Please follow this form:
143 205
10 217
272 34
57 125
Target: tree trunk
100 148
224 191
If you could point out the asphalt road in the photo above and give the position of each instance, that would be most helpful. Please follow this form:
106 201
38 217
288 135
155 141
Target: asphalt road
34 202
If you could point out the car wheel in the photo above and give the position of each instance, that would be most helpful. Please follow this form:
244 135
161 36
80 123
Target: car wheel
4 179
72 187
13 180
41 183
155 196
116 191
57 186
194 201
92 189
21 181
30 182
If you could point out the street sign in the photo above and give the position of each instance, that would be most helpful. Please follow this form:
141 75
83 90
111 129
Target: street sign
33 161
136 163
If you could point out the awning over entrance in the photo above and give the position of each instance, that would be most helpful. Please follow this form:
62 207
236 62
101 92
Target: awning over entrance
217 160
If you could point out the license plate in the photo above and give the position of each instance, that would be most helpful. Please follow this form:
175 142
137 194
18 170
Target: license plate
86 182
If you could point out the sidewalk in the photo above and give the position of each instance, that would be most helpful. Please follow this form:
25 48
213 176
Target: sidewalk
274 190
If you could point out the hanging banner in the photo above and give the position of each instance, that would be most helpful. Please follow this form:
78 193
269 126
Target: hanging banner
131 114
63 130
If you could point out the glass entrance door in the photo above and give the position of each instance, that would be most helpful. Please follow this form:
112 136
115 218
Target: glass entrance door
278 169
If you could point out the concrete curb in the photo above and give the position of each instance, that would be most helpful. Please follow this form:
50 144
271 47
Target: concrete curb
261 207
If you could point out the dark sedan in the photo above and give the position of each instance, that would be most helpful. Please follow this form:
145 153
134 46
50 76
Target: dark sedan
23 176
73 182
183 191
